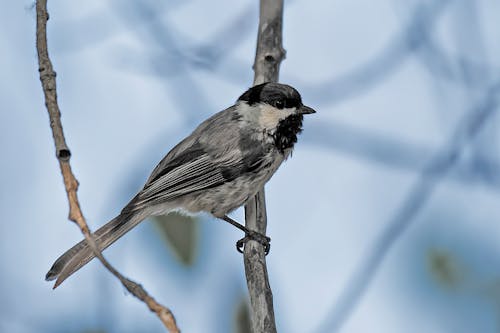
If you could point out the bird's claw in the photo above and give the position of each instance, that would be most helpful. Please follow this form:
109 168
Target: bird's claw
258 237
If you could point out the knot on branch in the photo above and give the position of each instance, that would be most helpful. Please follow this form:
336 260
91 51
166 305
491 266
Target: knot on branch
136 289
274 57
269 58
64 155
49 74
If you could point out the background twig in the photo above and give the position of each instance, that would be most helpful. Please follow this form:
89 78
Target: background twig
47 78
437 168
268 57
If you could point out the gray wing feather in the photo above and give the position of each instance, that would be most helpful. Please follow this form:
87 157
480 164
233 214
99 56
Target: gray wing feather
217 131
196 163
190 177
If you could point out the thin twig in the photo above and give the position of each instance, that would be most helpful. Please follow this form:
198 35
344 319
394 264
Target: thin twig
268 57
48 80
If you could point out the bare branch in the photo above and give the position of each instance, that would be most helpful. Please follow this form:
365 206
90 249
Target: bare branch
48 80
268 58
270 50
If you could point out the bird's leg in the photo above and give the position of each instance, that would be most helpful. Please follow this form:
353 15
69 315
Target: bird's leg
249 235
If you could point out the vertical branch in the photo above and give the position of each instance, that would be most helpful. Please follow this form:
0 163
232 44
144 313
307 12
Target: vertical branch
270 50
268 57
63 154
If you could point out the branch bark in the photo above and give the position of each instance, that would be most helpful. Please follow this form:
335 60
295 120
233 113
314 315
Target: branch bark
63 154
268 58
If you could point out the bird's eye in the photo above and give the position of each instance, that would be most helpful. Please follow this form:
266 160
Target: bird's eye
279 104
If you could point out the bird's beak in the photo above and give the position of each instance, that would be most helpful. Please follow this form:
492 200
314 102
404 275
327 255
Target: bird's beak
306 110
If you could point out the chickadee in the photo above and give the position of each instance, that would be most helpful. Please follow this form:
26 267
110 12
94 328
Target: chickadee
223 163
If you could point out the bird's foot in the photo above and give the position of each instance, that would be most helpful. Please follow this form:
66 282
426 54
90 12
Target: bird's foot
256 236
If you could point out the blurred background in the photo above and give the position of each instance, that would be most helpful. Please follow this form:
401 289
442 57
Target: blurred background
386 218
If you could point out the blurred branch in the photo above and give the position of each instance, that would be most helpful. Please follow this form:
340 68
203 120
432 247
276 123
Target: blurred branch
457 69
47 78
470 41
460 67
467 129
186 56
394 153
416 39
366 76
268 58
170 60
211 53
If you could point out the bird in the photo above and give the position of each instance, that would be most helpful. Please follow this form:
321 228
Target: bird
223 163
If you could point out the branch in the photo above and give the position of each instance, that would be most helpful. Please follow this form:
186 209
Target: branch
268 57
63 154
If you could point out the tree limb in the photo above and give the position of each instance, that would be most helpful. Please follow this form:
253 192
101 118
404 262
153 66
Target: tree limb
63 154
268 57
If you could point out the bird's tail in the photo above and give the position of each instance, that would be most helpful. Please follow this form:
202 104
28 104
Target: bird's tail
80 254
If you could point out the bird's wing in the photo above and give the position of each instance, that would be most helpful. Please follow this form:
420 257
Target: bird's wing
207 158
195 145
190 171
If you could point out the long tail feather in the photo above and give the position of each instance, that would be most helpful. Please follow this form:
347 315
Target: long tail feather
80 254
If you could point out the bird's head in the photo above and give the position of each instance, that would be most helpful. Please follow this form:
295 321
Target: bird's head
271 103
276 109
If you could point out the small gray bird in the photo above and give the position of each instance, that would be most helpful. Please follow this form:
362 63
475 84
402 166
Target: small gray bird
224 162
